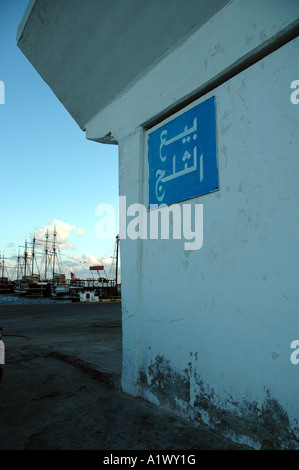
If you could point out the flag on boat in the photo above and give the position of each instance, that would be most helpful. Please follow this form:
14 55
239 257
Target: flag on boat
73 277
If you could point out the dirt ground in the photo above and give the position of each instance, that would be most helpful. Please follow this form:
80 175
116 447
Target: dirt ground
61 386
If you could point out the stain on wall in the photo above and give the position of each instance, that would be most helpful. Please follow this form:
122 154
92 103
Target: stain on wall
263 425
170 387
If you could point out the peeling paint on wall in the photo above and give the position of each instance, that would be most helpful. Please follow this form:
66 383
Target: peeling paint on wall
264 425
170 387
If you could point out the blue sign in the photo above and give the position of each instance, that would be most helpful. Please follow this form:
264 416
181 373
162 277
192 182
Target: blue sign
182 156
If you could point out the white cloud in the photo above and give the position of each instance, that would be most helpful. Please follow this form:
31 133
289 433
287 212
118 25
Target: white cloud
80 231
70 261
80 265
107 261
10 245
90 259
63 231
74 259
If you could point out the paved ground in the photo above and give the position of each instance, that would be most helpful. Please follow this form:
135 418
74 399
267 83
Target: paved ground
61 386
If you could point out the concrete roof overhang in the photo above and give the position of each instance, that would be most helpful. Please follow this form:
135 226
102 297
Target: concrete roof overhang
90 52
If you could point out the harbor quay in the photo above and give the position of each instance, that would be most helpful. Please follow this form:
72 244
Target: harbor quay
61 385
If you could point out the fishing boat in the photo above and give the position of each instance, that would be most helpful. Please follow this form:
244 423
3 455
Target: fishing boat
6 285
101 287
31 284
60 287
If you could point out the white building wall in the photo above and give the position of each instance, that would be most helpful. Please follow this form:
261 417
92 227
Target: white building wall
238 31
207 333
131 174
217 323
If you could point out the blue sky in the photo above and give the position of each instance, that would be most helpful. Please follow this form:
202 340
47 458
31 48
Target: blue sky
50 173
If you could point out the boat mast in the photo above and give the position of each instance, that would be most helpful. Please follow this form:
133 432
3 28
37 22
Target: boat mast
54 251
25 258
18 265
5 272
33 253
116 269
46 251
2 266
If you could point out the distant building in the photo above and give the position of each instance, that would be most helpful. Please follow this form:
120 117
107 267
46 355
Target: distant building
202 100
